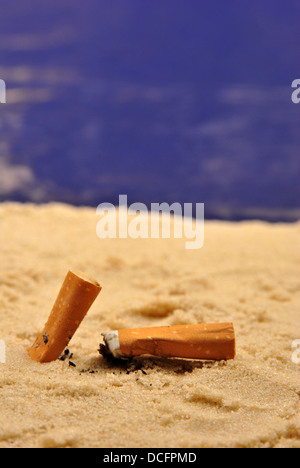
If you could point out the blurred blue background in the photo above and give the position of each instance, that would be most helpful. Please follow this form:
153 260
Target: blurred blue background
169 100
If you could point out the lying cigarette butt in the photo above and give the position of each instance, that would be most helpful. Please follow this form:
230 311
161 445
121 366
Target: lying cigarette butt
75 298
206 341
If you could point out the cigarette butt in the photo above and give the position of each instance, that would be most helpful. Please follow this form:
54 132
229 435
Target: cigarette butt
75 298
205 341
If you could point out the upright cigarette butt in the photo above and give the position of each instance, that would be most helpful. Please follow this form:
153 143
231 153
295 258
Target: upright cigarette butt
206 341
75 298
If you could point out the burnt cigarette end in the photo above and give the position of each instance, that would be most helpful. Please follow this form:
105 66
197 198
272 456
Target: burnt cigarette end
104 351
112 344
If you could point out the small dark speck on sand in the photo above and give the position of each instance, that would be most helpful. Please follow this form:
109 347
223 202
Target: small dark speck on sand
65 354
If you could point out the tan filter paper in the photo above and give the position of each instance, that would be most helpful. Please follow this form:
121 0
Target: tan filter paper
75 298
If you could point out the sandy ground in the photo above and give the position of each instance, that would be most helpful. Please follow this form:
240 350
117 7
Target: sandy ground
247 273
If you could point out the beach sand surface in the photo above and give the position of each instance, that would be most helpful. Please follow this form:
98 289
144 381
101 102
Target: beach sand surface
246 272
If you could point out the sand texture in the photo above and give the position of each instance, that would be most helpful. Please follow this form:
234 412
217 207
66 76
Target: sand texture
247 273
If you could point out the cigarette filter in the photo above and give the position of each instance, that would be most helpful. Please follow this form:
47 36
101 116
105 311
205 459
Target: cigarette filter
75 298
205 341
